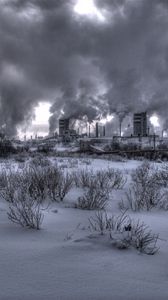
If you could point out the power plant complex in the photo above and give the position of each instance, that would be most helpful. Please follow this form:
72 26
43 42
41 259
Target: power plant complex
98 137
140 124
140 127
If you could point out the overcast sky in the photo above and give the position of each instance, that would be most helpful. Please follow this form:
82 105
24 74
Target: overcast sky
113 58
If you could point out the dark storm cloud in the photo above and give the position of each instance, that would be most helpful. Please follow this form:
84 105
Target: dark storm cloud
82 65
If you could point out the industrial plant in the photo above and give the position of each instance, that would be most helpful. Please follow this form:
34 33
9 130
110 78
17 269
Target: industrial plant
95 138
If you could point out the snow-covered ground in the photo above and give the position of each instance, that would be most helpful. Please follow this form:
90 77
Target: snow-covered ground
66 261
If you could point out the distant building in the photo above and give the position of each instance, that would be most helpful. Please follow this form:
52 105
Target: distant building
100 130
140 124
87 144
63 126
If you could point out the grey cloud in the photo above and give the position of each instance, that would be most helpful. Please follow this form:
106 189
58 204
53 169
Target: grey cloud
82 66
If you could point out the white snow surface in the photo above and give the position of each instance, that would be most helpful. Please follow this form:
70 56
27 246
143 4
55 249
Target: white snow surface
65 261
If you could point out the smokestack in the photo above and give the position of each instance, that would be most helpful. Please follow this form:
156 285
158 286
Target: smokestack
120 127
104 130
97 129
162 133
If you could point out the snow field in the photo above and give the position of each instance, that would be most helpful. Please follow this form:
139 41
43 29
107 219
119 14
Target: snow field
65 260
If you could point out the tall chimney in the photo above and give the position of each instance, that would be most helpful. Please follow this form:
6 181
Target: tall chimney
120 127
97 129
162 133
104 130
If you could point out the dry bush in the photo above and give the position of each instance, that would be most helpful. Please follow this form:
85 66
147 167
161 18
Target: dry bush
86 161
9 183
25 211
144 192
3 179
52 181
83 178
98 186
34 181
144 174
125 232
117 178
109 179
141 238
102 181
64 185
38 183
21 166
112 178
162 176
73 163
142 198
163 203
63 166
100 222
94 198
40 161
21 158
58 183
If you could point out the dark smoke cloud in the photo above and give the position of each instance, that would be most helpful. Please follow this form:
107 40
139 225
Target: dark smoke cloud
82 65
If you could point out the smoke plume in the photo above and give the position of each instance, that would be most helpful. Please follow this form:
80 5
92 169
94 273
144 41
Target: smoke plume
83 65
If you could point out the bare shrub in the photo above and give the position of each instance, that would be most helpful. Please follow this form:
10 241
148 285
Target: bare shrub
125 232
52 180
162 176
21 158
94 198
38 183
142 198
49 181
25 211
3 179
59 184
163 203
117 178
100 222
64 185
63 166
144 192
102 181
21 166
35 182
9 184
32 180
83 178
142 238
144 173
40 161
111 178
73 163
86 161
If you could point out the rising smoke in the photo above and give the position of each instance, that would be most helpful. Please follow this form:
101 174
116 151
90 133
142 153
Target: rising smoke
83 66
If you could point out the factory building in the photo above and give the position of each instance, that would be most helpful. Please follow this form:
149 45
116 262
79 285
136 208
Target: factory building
100 130
63 126
140 124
